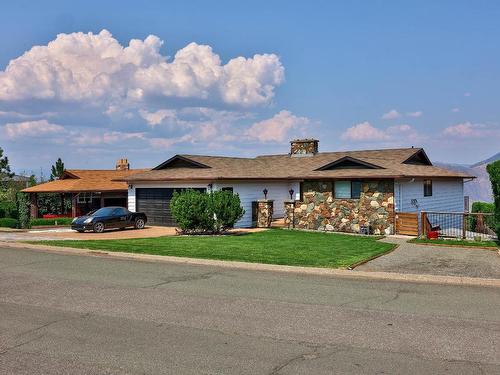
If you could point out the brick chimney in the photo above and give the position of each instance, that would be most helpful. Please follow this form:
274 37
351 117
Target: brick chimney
303 147
122 165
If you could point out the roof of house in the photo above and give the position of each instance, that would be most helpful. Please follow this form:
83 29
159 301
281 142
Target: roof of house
386 163
84 180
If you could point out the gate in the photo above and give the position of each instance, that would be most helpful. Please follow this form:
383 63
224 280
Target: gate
407 223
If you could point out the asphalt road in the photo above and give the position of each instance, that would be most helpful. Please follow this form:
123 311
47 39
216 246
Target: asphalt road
65 314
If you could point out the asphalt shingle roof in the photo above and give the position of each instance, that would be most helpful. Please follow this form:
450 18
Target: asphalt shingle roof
286 167
85 180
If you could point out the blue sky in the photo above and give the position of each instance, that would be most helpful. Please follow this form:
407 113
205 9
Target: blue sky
354 74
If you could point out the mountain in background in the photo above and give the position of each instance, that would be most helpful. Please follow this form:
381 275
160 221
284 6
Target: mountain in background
478 189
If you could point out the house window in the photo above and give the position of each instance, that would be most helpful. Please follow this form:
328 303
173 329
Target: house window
227 188
427 188
342 189
347 189
355 189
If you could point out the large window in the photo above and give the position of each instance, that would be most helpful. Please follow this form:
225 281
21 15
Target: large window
341 189
347 189
427 188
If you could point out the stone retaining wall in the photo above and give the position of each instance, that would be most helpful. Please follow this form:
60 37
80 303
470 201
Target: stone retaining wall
321 211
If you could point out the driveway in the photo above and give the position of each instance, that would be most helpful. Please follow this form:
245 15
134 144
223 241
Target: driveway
68 234
434 260
116 234
69 314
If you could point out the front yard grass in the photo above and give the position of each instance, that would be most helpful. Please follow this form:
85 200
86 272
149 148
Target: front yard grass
458 243
275 246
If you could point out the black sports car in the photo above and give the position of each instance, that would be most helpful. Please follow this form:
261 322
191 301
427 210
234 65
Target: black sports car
108 218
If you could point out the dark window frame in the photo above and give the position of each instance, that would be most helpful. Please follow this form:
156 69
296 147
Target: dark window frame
351 194
427 188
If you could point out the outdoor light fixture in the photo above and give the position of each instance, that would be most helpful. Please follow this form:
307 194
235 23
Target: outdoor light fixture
210 186
265 193
291 191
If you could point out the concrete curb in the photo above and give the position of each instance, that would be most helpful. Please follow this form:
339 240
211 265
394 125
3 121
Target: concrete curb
388 276
465 247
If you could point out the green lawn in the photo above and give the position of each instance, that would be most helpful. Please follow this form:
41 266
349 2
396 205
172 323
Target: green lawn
451 242
276 246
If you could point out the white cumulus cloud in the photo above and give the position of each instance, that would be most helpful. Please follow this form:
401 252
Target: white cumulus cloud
470 130
391 115
415 114
156 118
366 132
278 128
96 68
38 128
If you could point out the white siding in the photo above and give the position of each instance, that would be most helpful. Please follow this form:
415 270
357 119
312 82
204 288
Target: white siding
131 198
247 191
447 195
252 191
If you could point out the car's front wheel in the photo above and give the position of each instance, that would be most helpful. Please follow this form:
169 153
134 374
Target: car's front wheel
139 224
99 227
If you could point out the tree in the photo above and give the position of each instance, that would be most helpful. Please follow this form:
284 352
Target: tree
5 172
57 170
494 172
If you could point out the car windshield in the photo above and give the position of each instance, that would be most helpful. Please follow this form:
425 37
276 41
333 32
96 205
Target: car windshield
105 211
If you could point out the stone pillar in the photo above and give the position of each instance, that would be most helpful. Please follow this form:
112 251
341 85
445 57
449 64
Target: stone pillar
264 213
33 205
290 213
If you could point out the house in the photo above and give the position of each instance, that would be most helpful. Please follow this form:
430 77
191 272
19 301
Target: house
87 189
336 191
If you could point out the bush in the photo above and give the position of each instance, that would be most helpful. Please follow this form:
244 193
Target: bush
8 222
483 207
23 209
8 209
494 172
55 221
197 212
227 209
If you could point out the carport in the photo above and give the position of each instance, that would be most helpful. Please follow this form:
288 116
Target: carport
87 189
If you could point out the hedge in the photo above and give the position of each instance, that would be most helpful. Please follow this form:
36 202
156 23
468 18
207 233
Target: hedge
7 222
494 172
211 213
8 210
56 221
483 207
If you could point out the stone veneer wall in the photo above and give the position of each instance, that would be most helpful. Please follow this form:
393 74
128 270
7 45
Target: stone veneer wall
264 214
320 211
304 146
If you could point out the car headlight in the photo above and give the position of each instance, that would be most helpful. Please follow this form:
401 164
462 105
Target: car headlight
89 220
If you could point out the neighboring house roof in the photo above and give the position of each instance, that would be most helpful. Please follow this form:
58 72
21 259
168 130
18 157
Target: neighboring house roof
388 163
81 180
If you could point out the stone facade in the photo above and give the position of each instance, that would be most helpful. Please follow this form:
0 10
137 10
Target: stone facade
321 211
264 214
304 147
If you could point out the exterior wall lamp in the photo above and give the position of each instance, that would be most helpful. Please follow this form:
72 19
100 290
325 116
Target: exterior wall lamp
291 191
265 191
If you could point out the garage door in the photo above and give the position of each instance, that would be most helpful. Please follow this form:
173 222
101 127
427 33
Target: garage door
155 203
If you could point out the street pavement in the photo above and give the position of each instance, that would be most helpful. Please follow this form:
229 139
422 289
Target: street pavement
69 314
